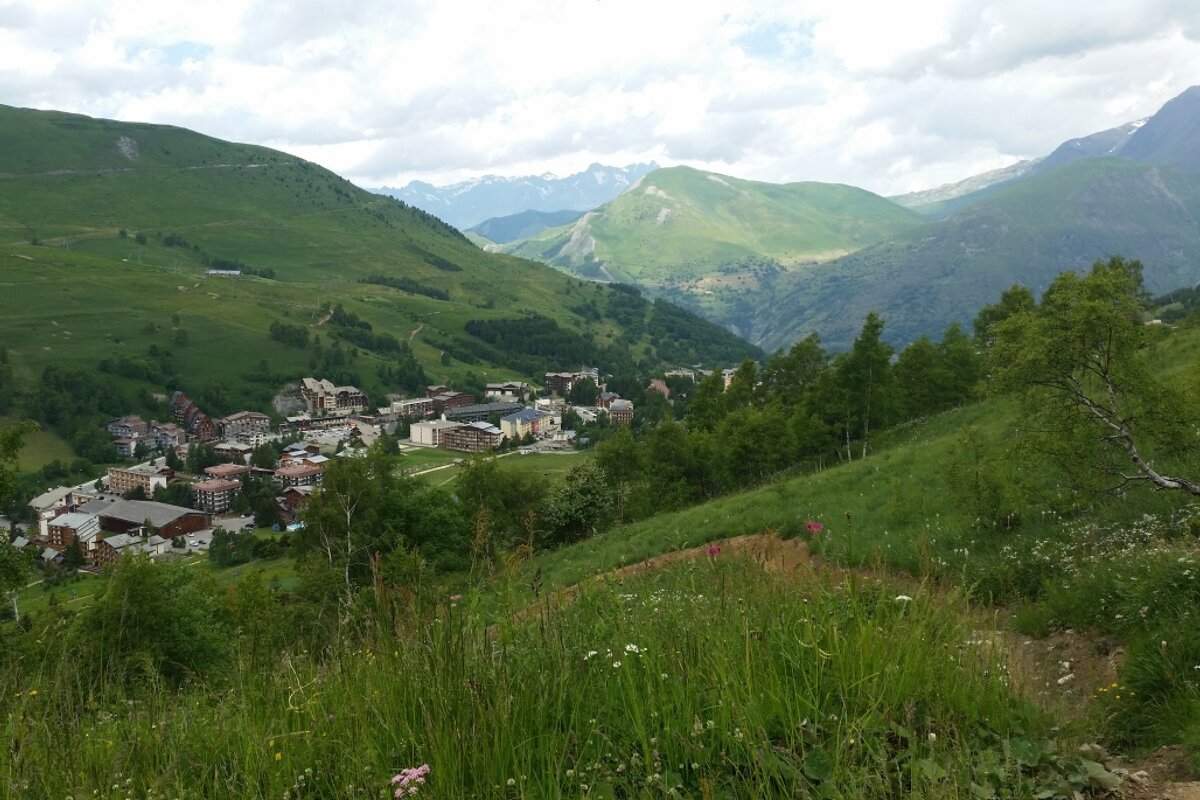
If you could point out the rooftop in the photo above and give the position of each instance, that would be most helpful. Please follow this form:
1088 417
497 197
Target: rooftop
138 511
525 415
216 485
50 499
72 520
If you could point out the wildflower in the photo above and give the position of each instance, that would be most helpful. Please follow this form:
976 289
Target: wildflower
903 598
278 756
454 598
616 665
632 648
511 781
409 781
713 550
813 526
33 692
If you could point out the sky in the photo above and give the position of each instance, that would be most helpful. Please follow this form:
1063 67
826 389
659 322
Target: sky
890 96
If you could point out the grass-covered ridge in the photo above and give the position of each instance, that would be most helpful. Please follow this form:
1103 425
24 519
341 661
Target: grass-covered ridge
1026 232
107 229
710 238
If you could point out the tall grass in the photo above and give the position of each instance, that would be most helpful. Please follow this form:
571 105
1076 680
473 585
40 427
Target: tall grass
709 680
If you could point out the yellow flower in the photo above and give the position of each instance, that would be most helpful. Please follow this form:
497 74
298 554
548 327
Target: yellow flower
33 692
279 756
1116 685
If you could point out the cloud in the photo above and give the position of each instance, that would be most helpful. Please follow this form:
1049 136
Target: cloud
888 96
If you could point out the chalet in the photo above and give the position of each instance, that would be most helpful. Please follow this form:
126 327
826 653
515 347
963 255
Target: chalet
111 548
216 495
146 476
620 412
429 432
126 447
606 398
680 373
513 391
448 400
165 434
434 390
193 420
527 422
66 528
298 475
294 499
474 437
247 427
234 452
561 382
475 413
727 376
49 505
131 427
324 399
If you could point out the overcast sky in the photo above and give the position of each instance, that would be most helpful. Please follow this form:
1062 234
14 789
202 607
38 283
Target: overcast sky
891 96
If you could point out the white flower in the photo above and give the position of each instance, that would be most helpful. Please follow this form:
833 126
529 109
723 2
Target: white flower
616 665
903 598
632 648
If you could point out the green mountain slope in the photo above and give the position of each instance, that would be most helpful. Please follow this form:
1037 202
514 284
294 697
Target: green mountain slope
107 229
523 225
1027 232
708 239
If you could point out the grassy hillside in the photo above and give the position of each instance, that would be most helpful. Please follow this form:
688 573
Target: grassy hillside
520 226
107 228
1027 232
707 239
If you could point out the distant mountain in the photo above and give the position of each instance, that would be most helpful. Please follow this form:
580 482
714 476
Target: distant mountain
710 241
933 201
503 230
469 203
1172 136
1027 232
1105 143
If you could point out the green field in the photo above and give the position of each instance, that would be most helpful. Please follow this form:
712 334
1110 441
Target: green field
41 447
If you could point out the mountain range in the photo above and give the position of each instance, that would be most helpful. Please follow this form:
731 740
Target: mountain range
116 238
469 203
776 262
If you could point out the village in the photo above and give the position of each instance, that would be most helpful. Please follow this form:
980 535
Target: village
129 509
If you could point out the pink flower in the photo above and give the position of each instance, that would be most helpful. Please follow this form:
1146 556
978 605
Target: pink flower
454 598
409 781
713 550
813 527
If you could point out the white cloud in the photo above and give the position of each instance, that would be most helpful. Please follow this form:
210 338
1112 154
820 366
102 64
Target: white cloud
885 95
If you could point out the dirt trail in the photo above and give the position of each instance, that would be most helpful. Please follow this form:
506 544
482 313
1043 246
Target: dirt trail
415 331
